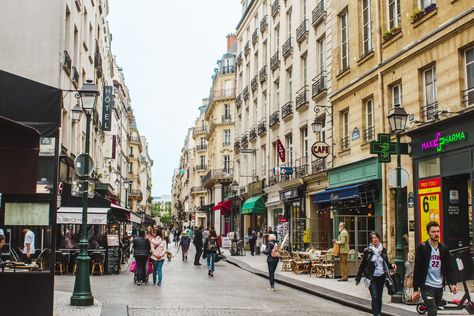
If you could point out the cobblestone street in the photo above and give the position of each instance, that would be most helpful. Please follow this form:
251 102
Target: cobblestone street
187 290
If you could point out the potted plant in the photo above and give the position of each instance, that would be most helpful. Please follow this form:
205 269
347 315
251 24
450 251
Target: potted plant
430 8
389 34
418 14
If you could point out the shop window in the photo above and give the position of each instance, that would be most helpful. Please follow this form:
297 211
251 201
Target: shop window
468 94
429 168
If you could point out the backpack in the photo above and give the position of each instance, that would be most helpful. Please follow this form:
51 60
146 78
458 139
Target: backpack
276 251
212 244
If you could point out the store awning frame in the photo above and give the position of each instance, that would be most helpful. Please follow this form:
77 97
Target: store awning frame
73 215
254 205
337 194
225 205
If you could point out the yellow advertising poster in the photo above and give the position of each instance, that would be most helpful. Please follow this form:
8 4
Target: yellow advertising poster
429 206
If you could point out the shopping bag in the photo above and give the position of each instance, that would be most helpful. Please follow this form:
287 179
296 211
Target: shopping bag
133 266
335 249
150 267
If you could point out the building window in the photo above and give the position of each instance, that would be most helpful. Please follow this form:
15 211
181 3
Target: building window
426 3
304 67
397 95
227 111
201 200
369 120
367 26
289 149
393 8
130 167
321 55
290 84
226 163
344 41
345 129
288 24
304 143
469 93
226 137
202 159
276 96
203 141
429 87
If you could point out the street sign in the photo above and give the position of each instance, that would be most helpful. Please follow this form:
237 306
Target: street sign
392 178
320 149
79 164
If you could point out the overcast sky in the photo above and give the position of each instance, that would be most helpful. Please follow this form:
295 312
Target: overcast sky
168 50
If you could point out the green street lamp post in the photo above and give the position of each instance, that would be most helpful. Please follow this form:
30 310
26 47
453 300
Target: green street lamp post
82 295
398 119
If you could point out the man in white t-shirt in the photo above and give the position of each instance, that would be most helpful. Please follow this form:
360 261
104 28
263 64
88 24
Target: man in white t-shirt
28 245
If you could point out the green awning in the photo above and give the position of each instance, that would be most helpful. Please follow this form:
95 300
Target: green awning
254 205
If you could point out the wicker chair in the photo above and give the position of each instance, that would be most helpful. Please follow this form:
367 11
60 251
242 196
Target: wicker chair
287 261
301 265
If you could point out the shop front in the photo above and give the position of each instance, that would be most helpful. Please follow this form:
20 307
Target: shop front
443 168
222 213
294 220
255 213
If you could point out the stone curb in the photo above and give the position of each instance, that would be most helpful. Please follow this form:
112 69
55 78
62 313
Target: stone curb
344 299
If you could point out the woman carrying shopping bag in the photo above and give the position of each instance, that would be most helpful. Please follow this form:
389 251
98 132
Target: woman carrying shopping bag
158 252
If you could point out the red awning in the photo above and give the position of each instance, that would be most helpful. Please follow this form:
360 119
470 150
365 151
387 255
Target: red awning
223 206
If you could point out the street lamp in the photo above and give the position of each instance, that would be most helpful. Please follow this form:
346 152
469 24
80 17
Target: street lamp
82 295
317 125
234 187
398 120
126 185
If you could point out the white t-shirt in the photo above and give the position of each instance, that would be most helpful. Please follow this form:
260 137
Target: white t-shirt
29 239
434 278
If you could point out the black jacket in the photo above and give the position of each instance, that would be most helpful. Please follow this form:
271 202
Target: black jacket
141 246
268 252
198 239
367 266
422 261
206 243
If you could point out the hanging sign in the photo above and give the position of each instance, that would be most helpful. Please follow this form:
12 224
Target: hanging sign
280 150
429 204
107 105
384 148
320 149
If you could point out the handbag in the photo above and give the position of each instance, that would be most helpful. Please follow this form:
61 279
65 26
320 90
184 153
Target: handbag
392 281
150 267
133 266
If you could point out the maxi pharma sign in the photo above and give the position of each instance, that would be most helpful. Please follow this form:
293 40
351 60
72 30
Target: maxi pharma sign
442 140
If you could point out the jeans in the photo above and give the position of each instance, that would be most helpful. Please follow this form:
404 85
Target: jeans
211 259
198 255
158 269
376 292
141 267
272 265
432 297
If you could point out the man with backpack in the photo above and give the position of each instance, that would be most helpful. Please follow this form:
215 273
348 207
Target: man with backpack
210 251
273 257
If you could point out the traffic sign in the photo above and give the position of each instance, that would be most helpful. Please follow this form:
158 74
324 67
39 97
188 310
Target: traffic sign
79 164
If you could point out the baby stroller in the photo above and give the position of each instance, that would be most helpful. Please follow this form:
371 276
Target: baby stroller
148 271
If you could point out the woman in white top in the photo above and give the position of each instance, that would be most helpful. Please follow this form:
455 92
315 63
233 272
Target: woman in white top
158 250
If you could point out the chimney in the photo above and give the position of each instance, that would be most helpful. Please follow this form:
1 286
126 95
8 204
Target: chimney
231 39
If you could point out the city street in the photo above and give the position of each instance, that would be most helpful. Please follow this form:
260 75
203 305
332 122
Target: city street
187 290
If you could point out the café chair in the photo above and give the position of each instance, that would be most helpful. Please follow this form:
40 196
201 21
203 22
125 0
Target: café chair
98 260
59 263
74 259
286 260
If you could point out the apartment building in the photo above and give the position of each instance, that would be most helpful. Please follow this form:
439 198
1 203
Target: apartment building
145 177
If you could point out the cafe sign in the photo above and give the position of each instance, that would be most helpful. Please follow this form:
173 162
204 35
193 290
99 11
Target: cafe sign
441 140
320 149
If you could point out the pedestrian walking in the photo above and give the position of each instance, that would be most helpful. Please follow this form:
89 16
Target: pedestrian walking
211 248
149 233
272 259
184 244
198 244
158 249
374 268
433 266
141 250
176 237
252 237
343 243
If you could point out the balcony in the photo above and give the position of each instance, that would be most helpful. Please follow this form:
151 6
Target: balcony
319 85
369 134
276 175
244 143
430 111
262 127
287 111
254 83
200 130
247 48
237 145
319 13
468 97
226 118
275 61
255 37
263 24
201 147
287 48
302 167
274 119
318 165
67 64
238 101
275 8
75 77
201 167
222 94
246 92
135 194
302 98
227 70
302 31
196 189
253 133
262 74
224 175
345 143
240 58
135 140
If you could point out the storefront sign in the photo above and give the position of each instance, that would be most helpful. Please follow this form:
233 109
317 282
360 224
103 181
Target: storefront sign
255 188
290 194
280 150
440 141
47 145
429 194
320 149
107 106
283 170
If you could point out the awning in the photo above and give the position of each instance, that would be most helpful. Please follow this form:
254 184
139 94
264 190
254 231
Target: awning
223 206
254 205
135 218
73 215
337 194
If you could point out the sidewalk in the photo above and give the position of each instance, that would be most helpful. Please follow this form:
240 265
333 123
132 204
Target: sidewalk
62 306
344 292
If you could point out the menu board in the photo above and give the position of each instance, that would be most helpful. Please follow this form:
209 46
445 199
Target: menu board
429 206
30 214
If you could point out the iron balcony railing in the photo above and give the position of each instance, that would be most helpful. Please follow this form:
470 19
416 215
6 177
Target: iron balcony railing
254 83
302 31
319 85
302 98
345 143
262 127
134 139
244 143
226 143
302 167
135 193
253 133
75 77
287 47
237 145
247 48
262 74
275 8
274 119
369 134
67 64
240 58
430 111
318 165
255 36
238 101
200 130
198 189
468 97
201 167
201 147
287 110
319 13
223 94
227 69
263 24
275 61
246 92
223 174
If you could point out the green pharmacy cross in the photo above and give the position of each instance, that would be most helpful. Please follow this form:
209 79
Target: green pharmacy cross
384 148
